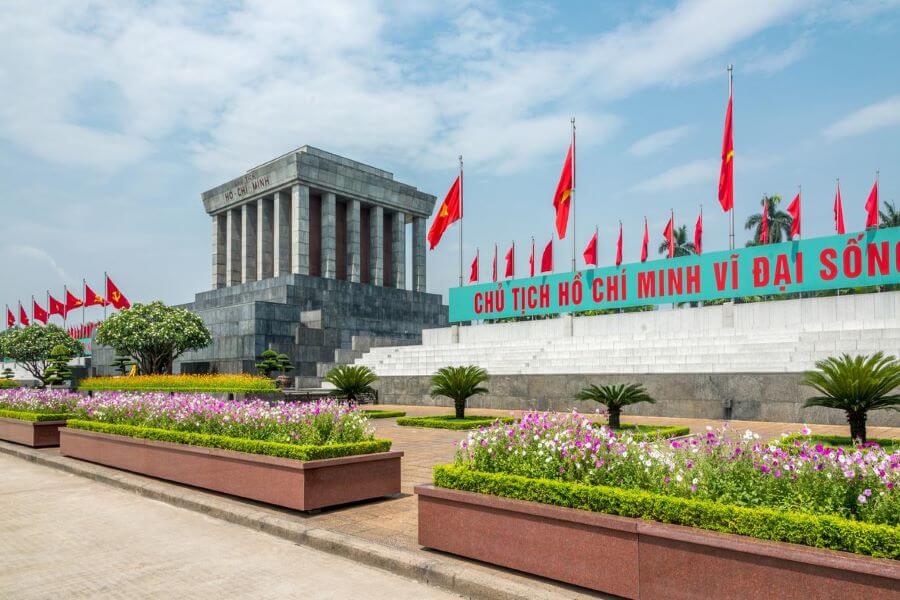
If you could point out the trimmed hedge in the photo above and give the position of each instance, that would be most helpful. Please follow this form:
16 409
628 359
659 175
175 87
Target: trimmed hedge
653 432
374 413
24 415
835 440
224 383
222 442
820 531
451 422
9 384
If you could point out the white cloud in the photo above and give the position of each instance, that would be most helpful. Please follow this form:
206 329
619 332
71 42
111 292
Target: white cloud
655 142
869 118
40 256
692 173
769 62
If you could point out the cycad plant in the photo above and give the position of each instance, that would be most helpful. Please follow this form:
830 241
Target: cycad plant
614 397
856 385
352 381
459 384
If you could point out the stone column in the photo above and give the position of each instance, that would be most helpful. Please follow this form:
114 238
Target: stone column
219 249
264 233
248 242
281 237
398 249
418 254
376 241
300 229
329 236
233 251
353 264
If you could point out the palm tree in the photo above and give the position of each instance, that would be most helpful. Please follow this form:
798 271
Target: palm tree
614 397
856 385
779 222
351 381
890 216
459 384
682 246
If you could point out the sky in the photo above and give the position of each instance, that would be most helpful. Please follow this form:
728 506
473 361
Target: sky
115 115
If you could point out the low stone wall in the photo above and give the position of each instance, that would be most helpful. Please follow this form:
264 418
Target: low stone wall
776 397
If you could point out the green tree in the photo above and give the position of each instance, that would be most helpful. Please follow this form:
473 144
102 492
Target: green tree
31 347
614 398
122 364
856 385
271 362
352 381
459 384
779 222
154 335
58 371
890 216
8 373
682 246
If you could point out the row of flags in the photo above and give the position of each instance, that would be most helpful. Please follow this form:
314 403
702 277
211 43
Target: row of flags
114 297
451 211
84 331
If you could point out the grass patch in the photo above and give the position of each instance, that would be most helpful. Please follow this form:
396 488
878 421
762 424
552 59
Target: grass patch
239 384
838 441
206 440
375 413
26 415
451 422
820 531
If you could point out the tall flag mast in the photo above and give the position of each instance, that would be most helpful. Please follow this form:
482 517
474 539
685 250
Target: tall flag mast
574 248
565 195
460 220
449 212
726 174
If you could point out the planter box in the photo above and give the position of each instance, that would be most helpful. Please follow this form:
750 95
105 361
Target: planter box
300 485
37 434
641 559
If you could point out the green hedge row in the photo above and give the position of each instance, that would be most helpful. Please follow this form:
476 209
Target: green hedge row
451 422
654 432
820 531
24 415
237 444
374 413
835 440
8 384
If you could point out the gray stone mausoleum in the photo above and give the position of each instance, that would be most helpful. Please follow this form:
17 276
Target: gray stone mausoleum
309 258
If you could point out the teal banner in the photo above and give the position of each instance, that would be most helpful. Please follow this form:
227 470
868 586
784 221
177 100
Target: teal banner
858 259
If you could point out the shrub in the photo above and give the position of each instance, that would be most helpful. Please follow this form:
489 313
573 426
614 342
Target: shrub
122 364
32 416
58 371
855 385
180 383
383 414
8 384
270 362
294 451
451 422
459 384
351 381
798 440
614 398
31 346
653 432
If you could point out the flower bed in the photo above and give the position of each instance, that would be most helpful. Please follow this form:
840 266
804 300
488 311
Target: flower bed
181 383
451 422
577 487
32 417
797 440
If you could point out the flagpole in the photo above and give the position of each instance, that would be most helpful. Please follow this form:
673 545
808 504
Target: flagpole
48 306
83 298
574 246
461 213
731 98
513 257
105 291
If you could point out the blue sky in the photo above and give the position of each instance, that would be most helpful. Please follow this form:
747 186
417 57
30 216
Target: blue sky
116 115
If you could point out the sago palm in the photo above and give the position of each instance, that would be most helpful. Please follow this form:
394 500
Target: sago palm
351 381
779 223
459 384
890 216
682 246
856 385
614 397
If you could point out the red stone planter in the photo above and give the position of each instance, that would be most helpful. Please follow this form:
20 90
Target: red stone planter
301 485
641 559
37 434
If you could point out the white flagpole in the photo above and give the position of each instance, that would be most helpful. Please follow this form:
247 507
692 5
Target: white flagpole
83 299
461 214
731 99
574 246
105 291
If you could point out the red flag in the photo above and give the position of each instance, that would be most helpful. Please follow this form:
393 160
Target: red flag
448 213
645 242
56 307
10 318
726 173
698 234
547 257
23 316
619 246
473 271
839 211
590 251
764 223
531 259
872 207
669 234
116 298
511 261
562 197
494 265
38 312
92 298
72 302
793 209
